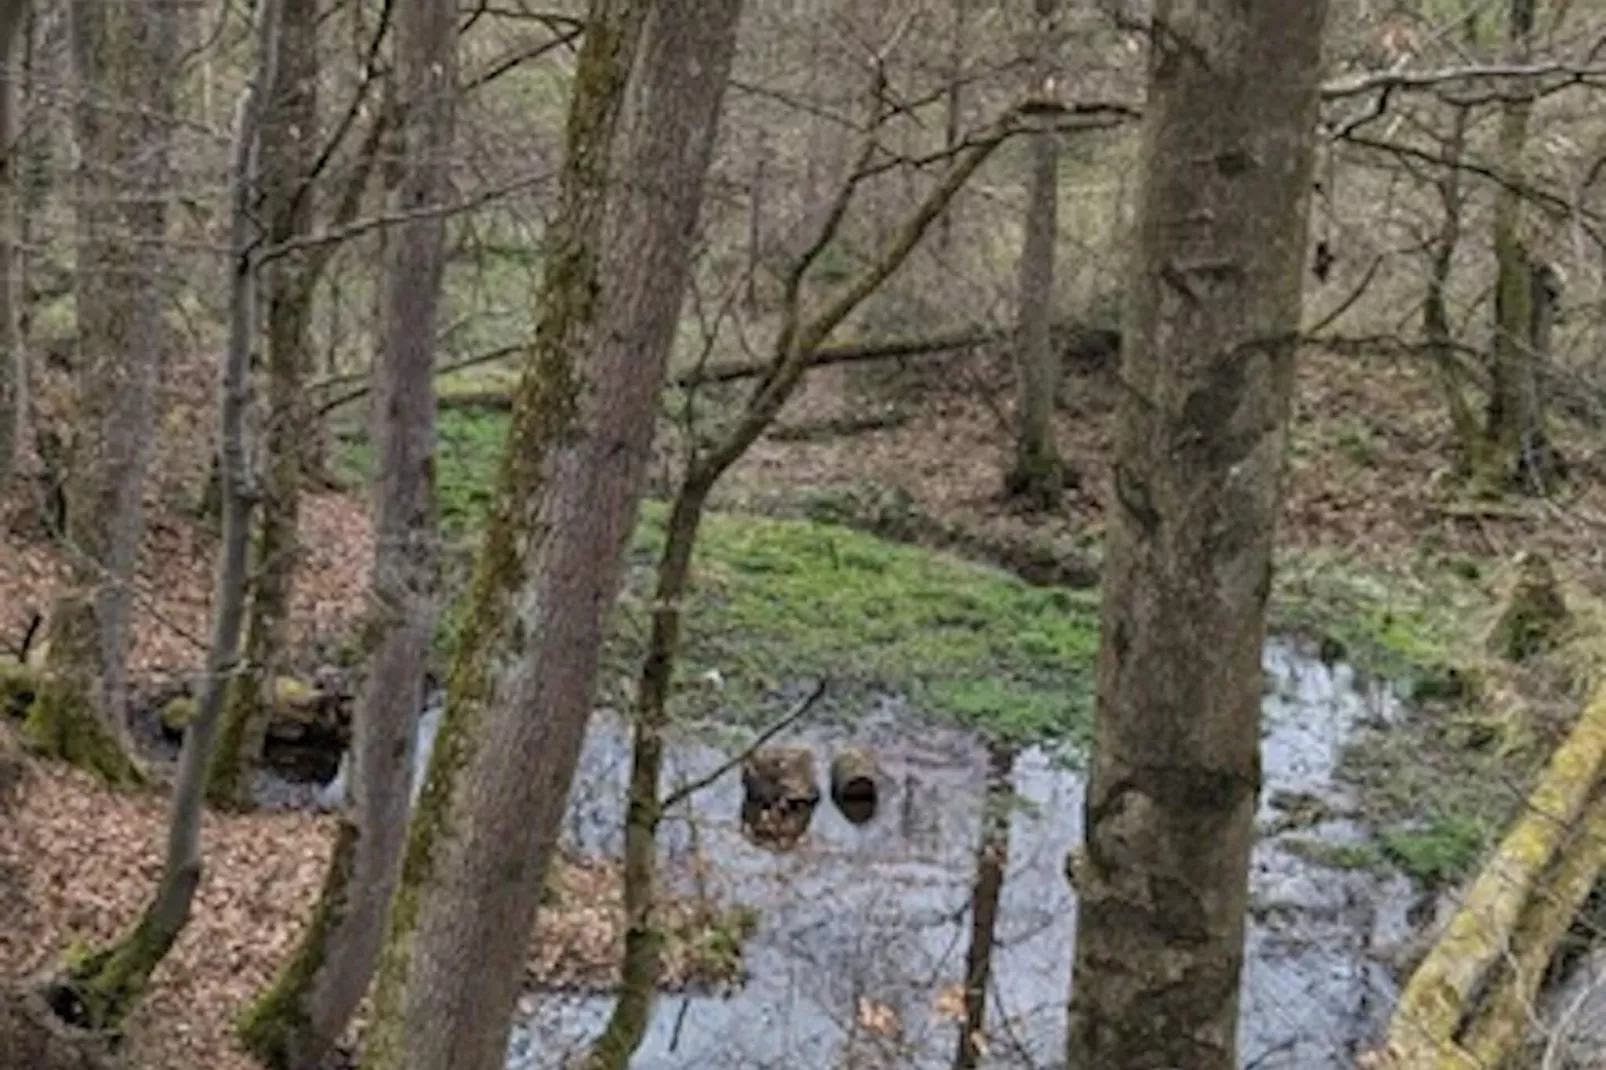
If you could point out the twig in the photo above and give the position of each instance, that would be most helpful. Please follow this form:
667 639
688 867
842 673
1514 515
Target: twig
686 791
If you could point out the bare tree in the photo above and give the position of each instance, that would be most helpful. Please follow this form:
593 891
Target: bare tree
1037 473
289 153
299 1020
1214 314
123 55
100 990
523 674
12 28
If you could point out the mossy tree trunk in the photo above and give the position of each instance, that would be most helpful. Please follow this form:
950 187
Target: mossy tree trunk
299 1020
122 54
992 861
800 339
105 986
289 153
1517 451
1213 322
523 675
1036 474
12 20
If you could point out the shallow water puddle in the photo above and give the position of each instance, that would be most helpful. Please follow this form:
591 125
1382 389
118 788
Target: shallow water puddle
863 929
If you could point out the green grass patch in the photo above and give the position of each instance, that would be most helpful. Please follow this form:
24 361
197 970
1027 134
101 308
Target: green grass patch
1416 629
778 602
1442 851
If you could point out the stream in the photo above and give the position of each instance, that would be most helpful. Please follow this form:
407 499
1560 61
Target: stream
878 912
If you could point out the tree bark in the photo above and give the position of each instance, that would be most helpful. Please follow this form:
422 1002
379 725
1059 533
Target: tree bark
1435 305
289 153
1213 323
122 53
1514 434
523 676
1037 473
12 20
992 860
668 145
108 983
300 1019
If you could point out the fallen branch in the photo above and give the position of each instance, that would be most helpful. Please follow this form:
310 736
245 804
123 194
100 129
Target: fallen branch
795 714
1079 342
357 393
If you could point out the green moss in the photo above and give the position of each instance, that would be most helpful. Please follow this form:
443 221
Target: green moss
64 722
1440 852
62 725
469 445
104 985
178 713
1346 856
18 685
275 1026
780 600
1415 629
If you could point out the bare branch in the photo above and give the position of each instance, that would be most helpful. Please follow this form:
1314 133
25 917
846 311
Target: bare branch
795 714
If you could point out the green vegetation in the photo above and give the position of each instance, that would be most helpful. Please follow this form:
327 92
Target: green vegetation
1347 856
1441 852
779 601
1415 629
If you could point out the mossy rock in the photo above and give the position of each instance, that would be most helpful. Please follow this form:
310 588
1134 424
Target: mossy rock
18 685
1535 613
293 697
177 714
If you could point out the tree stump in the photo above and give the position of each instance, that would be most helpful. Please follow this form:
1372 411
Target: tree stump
1535 613
855 785
779 796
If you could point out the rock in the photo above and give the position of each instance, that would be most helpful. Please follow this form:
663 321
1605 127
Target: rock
779 796
177 714
1535 613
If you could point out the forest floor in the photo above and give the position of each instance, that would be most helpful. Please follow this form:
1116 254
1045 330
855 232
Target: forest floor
1379 554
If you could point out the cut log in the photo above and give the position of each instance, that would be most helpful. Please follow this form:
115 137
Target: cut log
854 785
780 793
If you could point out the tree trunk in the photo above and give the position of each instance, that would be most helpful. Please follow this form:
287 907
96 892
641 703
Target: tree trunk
1514 431
670 134
12 19
992 860
524 672
955 104
103 988
1214 317
301 1018
122 53
1435 306
289 153
1037 474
